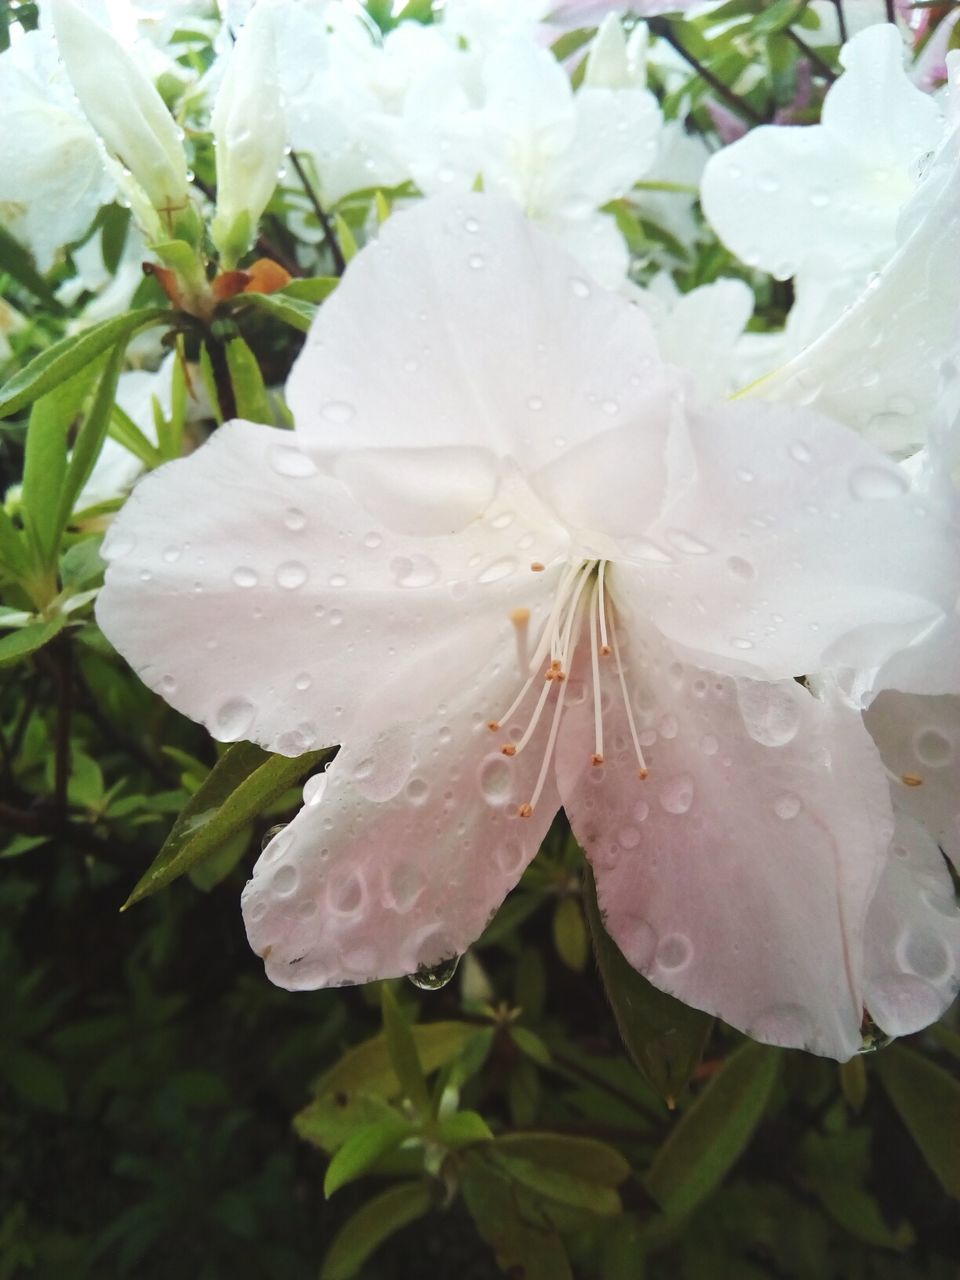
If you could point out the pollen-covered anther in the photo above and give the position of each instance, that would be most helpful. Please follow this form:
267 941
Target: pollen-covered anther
525 810
605 651
596 758
493 726
643 774
509 749
911 780
537 566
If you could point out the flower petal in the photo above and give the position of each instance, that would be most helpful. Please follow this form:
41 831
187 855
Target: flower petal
463 325
737 875
912 945
791 544
406 847
253 593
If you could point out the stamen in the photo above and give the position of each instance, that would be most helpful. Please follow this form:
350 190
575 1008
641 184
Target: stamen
597 757
521 625
546 635
537 712
644 771
604 642
537 566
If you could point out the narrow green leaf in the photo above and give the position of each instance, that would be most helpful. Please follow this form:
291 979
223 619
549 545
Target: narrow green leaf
16 262
363 1149
89 439
345 236
927 1099
244 781
370 1226
530 1044
209 378
68 356
566 1189
570 934
463 1129
125 431
586 1158
297 314
249 391
313 289
403 1052
716 1129
26 640
44 470
530 1248
13 550
367 1067
664 1037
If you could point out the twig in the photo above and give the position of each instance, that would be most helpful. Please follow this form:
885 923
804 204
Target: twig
812 56
661 28
841 20
61 756
891 11
339 261
34 822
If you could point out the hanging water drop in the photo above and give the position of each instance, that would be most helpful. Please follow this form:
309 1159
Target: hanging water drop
434 977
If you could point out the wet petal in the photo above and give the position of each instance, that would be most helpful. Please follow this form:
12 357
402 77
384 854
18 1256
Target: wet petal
256 596
912 945
737 875
408 845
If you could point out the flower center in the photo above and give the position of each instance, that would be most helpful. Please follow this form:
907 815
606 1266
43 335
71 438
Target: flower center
582 601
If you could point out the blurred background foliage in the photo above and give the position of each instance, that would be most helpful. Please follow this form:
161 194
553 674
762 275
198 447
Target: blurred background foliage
165 1112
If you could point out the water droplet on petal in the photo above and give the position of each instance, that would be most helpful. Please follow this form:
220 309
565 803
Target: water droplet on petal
496 781
171 554
472 225
437 976
291 575
872 483
287 461
497 570
933 748
373 540
285 880
338 411
925 954
268 838
787 806
295 519
788 1025
675 951
117 545
579 288
417 791
741 568
244 577
233 719
676 794
414 571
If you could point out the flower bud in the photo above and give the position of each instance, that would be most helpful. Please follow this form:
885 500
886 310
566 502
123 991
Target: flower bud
125 110
614 62
250 133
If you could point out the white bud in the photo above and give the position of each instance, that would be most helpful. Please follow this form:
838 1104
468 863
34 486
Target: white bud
250 133
614 62
123 106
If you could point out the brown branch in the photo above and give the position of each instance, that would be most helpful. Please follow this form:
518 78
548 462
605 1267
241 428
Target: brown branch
339 261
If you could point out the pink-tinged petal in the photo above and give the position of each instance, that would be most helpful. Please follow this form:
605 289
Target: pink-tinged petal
737 875
790 545
408 844
462 325
911 962
256 596
919 741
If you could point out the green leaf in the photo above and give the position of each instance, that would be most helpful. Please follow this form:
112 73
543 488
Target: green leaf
13 551
715 1131
244 781
291 311
363 1149
26 640
15 261
664 1037
403 1052
367 1067
34 1079
89 439
314 289
463 1129
370 1226
68 356
526 1245
249 391
328 1122
777 17
585 1158
44 468
125 431
345 237
209 378
570 934
530 1044
927 1099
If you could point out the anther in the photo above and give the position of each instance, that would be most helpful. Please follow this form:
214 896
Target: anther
537 566
509 749
493 726
596 758
525 810
911 780
643 774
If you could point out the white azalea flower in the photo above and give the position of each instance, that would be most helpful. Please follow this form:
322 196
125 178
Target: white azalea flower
507 564
821 203
52 175
511 117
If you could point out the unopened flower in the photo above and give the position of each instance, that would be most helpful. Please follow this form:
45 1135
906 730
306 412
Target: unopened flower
508 564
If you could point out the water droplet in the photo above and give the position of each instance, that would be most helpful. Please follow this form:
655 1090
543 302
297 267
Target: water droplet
244 577
285 881
897 999
872 483
745 475
498 570
675 951
372 540
933 748
303 682
436 976
610 407
925 954
295 519
335 618
638 941
644 549
676 794
472 225
496 781
629 837
579 288
417 791
116 545
338 411
709 745
768 183
641 811
268 838
771 712
788 1025
233 719
168 685
535 403
313 788
787 806
171 554
741 568
337 580
287 461
346 896
414 571
741 642
475 261
668 726
291 575
819 198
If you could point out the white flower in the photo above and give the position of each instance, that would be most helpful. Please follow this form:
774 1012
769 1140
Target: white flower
250 134
52 176
821 203
511 117
493 480
127 112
